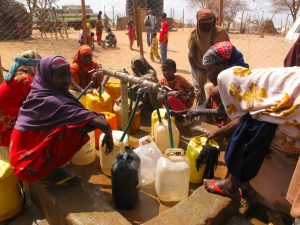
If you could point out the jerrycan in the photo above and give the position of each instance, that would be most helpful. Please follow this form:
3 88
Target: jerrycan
172 176
87 154
106 161
98 104
135 125
161 135
154 118
193 150
112 120
113 88
124 179
149 154
11 194
76 94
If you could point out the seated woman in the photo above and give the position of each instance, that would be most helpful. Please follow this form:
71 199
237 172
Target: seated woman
225 55
180 92
141 68
263 105
13 91
82 70
51 127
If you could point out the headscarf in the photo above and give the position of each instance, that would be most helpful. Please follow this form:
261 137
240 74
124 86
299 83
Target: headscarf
148 69
224 52
293 57
83 50
46 107
200 41
27 59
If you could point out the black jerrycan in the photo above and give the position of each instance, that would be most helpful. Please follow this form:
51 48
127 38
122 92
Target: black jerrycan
125 179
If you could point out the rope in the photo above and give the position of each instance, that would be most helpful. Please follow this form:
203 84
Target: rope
169 122
131 117
17 63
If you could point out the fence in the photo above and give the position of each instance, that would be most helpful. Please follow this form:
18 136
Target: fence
52 33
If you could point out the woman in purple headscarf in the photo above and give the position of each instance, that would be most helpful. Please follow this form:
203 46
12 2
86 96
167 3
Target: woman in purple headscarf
52 126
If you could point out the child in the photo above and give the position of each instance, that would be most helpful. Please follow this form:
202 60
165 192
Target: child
154 48
131 33
180 92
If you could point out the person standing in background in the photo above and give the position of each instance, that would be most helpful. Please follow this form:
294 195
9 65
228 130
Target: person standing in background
163 37
206 34
131 33
150 22
99 27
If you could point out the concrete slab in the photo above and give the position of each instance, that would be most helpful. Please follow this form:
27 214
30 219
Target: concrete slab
200 208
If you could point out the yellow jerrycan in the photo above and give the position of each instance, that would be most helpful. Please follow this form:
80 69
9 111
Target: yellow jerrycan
11 195
98 104
161 135
76 94
154 118
113 88
87 154
193 150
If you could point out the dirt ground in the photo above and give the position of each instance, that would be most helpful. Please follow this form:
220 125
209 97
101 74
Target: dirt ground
258 52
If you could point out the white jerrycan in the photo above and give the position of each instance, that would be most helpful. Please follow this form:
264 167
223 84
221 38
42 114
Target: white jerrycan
87 154
172 176
161 135
106 161
149 154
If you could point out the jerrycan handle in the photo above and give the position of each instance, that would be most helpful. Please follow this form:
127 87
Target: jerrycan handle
173 151
146 138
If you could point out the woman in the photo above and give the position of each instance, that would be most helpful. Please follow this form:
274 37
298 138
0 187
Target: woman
226 55
205 35
263 105
13 91
51 127
83 68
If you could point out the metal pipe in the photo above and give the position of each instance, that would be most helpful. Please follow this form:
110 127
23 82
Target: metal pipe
126 77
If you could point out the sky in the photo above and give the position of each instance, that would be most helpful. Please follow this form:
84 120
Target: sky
258 8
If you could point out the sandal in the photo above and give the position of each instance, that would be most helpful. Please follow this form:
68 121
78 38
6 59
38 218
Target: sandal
60 178
216 190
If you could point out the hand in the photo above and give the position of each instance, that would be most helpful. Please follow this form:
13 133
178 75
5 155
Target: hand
178 113
90 91
174 93
109 143
194 112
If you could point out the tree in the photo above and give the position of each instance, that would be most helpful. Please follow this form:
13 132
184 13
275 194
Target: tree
287 5
231 8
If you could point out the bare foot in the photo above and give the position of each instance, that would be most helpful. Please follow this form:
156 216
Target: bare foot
221 187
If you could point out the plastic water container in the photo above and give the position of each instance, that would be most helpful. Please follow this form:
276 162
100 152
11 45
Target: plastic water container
125 180
106 161
82 98
98 104
113 89
154 118
161 135
194 148
4 154
112 120
11 197
86 155
135 125
149 154
172 176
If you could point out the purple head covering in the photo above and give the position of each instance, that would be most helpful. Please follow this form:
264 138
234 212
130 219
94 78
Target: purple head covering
46 107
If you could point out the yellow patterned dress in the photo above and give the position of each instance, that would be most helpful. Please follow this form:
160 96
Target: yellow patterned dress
272 95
